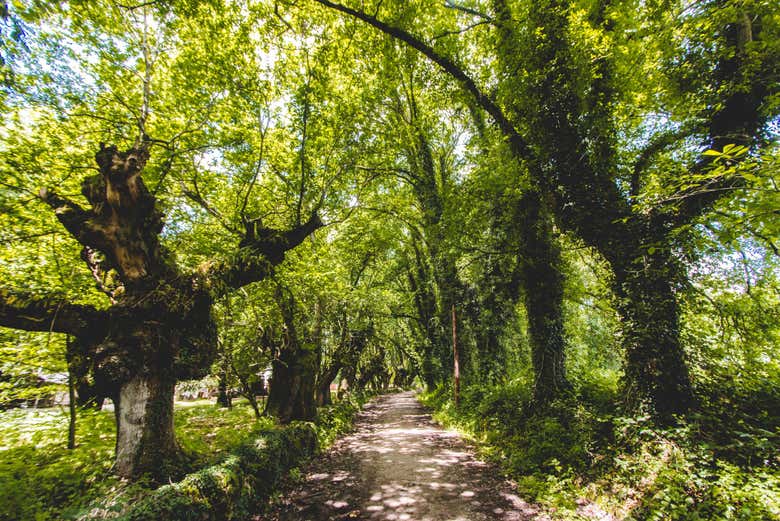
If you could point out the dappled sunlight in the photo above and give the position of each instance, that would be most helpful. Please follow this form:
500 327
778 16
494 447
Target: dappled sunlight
399 465
341 475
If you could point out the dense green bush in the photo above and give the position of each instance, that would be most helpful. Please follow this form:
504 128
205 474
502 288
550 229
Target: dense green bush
231 489
334 421
525 439
719 465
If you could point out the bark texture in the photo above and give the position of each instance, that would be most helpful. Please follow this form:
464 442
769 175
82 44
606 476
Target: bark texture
655 361
292 386
145 438
324 380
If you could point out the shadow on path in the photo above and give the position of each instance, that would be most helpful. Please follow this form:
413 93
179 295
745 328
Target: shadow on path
399 465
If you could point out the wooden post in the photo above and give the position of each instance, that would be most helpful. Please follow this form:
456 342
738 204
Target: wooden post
455 357
71 401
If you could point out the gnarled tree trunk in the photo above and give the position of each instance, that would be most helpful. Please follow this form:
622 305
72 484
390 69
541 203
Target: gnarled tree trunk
144 417
159 327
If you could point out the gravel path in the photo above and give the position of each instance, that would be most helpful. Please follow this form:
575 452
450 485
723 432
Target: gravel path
399 465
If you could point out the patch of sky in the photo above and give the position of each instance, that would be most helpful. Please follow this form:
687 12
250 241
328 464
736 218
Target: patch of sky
743 255
50 65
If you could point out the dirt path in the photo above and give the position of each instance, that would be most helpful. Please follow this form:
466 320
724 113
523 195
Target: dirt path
399 465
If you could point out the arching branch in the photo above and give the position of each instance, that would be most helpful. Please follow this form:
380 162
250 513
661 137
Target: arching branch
75 219
658 143
518 144
259 251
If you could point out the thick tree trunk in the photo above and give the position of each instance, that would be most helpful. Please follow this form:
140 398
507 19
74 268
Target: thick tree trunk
323 384
421 286
492 309
543 282
294 371
292 386
145 442
449 289
655 361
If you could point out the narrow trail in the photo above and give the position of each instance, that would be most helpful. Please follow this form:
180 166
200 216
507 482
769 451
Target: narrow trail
399 465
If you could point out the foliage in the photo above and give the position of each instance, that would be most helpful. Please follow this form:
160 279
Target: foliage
28 363
721 465
650 129
41 479
240 484
62 483
337 420
231 489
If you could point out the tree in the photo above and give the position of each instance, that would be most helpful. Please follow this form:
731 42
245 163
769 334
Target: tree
294 367
427 139
158 326
560 116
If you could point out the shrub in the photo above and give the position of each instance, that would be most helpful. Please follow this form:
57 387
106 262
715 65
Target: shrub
720 464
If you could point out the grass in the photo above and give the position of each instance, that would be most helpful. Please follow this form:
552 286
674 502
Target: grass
41 480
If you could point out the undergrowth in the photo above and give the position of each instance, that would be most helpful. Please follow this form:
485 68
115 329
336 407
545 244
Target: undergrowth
41 480
720 463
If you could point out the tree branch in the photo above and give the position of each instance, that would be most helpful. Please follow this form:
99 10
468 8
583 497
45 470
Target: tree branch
738 121
658 143
460 31
462 8
138 6
75 219
19 310
99 273
256 173
519 146
259 251
196 197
